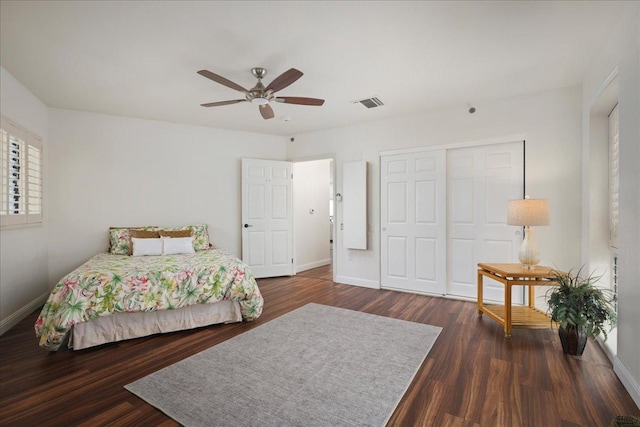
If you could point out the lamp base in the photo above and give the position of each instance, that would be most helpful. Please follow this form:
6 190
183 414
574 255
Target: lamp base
529 254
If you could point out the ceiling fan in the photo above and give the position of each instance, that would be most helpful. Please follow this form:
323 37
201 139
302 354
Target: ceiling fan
261 95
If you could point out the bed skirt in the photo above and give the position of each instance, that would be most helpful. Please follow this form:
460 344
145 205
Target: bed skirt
124 326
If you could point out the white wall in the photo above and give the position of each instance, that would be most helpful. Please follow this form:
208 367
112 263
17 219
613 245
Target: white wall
114 171
549 121
622 53
23 252
311 192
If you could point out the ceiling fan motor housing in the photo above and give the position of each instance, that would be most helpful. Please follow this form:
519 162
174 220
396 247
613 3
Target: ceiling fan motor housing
258 94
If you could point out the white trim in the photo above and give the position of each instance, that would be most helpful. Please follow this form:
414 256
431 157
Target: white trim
412 291
444 296
487 141
15 318
627 380
611 77
310 265
326 156
373 284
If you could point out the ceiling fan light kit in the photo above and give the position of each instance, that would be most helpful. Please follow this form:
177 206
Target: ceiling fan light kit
261 95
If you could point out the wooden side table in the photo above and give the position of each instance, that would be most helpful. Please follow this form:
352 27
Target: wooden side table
514 275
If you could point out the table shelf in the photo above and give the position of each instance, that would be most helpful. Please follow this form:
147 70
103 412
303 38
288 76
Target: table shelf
521 316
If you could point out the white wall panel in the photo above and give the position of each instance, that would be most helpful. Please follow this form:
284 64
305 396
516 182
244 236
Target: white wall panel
354 205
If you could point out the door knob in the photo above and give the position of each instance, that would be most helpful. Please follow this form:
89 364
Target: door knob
248 225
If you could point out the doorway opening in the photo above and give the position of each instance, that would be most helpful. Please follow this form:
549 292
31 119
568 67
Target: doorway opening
314 217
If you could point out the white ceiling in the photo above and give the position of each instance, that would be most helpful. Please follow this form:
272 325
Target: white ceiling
139 58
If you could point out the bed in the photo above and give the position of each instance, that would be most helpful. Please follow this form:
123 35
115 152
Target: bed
113 297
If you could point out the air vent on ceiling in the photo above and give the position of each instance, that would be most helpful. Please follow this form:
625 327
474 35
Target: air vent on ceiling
372 102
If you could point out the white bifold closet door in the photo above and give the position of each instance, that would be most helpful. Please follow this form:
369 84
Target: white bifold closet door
443 212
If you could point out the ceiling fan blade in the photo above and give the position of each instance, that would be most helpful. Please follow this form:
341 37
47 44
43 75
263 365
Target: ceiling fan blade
219 79
266 111
299 100
217 104
284 80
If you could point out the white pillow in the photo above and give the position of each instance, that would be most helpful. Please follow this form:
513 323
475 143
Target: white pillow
143 247
178 245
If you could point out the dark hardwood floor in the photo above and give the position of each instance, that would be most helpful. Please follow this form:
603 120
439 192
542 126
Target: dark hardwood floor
473 376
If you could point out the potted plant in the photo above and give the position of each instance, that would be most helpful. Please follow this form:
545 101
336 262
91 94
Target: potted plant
580 308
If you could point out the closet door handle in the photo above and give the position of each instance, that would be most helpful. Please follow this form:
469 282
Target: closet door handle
248 225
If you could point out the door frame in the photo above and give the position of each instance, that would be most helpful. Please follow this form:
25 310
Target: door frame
334 233
467 144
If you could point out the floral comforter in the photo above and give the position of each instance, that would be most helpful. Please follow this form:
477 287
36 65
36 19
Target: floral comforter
108 284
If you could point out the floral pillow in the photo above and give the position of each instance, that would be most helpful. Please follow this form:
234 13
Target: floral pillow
120 239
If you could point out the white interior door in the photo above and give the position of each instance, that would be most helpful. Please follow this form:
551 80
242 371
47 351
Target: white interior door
267 217
480 181
413 222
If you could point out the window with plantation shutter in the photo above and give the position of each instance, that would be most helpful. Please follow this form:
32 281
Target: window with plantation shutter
21 176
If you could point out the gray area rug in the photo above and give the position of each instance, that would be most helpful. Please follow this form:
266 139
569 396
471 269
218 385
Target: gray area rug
315 366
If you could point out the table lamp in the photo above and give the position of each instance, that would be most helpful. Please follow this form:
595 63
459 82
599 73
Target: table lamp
527 212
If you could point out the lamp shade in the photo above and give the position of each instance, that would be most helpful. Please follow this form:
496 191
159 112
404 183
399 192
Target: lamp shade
528 212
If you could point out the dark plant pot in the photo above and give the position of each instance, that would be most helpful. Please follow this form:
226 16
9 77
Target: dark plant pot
573 340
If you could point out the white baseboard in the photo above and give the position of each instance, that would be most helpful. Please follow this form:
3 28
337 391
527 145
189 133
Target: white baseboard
358 282
310 265
15 318
630 383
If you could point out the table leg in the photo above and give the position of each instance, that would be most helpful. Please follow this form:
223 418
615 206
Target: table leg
507 310
532 296
479 293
